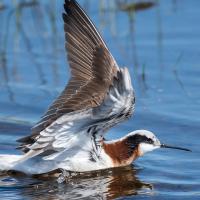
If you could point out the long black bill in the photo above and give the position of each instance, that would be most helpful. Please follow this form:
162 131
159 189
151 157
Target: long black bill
172 147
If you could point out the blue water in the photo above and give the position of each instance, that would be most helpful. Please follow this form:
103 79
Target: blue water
161 47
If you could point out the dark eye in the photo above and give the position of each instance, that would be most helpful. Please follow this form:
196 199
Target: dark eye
150 141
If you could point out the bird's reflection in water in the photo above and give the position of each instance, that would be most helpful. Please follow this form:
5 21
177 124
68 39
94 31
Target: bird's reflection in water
124 182
107 184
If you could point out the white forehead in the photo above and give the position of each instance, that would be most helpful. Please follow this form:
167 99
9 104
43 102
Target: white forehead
146 133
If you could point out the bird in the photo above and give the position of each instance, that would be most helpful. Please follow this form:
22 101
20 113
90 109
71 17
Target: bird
99 95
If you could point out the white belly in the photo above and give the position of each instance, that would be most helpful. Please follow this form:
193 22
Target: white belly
81 163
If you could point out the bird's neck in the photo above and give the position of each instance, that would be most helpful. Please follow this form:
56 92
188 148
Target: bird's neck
120 153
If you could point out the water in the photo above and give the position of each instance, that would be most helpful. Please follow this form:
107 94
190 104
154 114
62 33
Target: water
161 47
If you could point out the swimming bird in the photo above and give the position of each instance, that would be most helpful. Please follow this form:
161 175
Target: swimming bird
99 95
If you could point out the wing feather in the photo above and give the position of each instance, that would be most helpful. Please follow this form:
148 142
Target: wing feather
92 69
96 84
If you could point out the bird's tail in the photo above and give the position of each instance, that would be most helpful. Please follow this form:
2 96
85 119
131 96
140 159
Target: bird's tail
8 161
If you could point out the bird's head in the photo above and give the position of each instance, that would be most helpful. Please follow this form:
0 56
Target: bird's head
145 141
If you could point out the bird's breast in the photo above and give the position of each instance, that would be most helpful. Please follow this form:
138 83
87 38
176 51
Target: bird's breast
120 153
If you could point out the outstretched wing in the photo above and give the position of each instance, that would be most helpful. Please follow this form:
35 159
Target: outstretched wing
98 95
92 69
92 66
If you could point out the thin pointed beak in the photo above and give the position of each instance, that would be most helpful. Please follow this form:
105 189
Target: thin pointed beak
172 147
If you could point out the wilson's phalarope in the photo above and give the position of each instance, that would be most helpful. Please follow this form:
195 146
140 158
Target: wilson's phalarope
98 96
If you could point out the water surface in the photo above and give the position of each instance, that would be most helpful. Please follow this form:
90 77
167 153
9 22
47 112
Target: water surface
160 44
